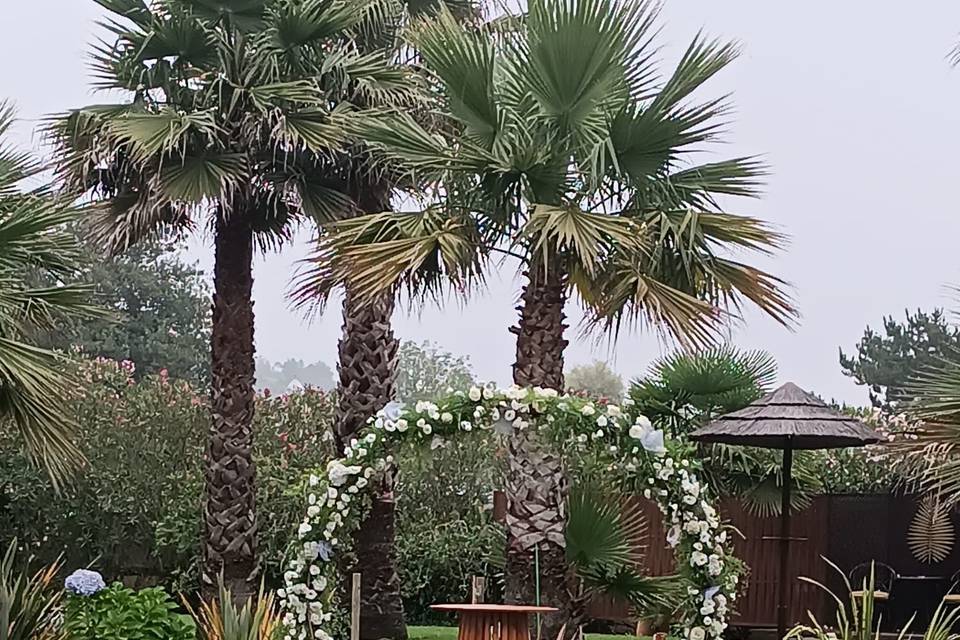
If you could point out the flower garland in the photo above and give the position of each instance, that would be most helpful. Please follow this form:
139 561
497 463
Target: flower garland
628 444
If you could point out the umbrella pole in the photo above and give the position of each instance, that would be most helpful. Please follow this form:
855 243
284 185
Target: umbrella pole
785 542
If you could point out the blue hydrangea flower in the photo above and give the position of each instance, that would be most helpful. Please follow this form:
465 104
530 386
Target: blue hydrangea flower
84 583
324 550
393 410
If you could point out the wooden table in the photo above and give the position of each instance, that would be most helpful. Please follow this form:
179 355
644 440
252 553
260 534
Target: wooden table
493 621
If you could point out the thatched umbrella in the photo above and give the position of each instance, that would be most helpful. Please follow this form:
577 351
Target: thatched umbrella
788 418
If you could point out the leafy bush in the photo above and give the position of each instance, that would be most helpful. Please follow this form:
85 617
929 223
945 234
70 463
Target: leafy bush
118 613
426 372
445 532
135 508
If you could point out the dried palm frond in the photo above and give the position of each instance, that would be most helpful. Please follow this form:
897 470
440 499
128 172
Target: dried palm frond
931 534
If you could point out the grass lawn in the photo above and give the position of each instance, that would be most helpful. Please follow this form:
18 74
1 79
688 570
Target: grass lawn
450 633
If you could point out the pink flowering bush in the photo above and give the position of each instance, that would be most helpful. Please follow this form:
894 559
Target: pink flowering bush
135 507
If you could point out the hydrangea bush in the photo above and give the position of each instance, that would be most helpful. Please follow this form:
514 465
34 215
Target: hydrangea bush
627 444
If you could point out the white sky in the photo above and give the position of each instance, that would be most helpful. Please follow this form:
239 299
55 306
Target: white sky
853 103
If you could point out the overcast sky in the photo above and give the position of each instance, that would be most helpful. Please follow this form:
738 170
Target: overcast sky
853 104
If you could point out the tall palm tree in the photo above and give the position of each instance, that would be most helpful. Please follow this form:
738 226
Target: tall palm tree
35 246
230 120
368 349
566 151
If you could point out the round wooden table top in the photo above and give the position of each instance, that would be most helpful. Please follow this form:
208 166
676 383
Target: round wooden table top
493 608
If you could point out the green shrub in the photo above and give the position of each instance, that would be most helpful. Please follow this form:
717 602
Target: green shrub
445 532
134 510
118 613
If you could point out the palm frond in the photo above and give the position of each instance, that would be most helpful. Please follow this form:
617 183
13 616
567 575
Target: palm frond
590 237
29 378
713 381
464 62
245 15
682 259
35 244
196 178
625 294
164 132
931 533
596 535
426 252
579 56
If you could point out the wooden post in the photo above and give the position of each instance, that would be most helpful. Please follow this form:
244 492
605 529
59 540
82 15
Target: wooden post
478 589
355 608
499 506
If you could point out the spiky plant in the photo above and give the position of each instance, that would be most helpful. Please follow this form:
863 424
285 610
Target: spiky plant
29 603
224 619
855 619
925 447
237 120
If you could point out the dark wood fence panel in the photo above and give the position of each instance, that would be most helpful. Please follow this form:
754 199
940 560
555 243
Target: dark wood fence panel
757 607
847 529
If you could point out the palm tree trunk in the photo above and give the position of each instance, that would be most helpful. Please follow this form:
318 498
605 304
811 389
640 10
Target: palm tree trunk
367 366
229 510
537 487
540 342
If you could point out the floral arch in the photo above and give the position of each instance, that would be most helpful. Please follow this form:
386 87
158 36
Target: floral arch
626 443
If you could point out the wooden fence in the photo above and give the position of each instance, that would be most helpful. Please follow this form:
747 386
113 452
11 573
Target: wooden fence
849 530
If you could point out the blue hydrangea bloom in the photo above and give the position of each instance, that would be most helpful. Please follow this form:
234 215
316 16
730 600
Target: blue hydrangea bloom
84 583
324 550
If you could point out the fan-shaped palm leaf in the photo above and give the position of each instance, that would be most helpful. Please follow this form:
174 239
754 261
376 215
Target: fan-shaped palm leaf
34 245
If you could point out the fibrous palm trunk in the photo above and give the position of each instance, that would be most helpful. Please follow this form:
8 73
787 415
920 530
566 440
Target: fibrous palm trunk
367 372
229 509
536 483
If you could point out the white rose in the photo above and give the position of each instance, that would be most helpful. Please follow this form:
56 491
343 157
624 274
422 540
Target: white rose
446 417
697 633
475 394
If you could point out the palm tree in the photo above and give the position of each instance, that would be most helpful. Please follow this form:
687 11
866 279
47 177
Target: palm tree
925 446
687 389
36 246
230 120
565 151
368 350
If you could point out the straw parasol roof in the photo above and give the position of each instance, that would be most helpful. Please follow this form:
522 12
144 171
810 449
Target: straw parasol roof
788 417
